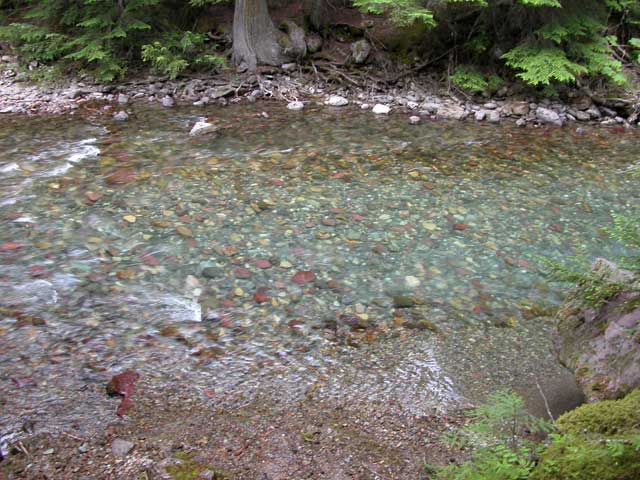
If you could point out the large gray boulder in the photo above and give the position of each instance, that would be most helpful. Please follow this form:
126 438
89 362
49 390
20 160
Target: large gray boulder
314 43
546 115
360 51
602 345
451 112
296 46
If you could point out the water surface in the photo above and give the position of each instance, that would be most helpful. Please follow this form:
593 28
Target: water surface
136 246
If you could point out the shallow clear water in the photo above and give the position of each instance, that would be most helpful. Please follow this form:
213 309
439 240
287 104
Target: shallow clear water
160 272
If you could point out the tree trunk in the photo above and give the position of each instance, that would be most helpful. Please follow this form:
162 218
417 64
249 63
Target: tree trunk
318 15
255 38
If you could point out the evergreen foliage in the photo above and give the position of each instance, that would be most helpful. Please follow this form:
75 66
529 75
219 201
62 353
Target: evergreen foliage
402 12
496 434
595 286
106 37
176 52
468 77
543 43
599 441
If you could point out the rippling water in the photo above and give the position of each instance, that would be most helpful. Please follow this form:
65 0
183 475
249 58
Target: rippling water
134 245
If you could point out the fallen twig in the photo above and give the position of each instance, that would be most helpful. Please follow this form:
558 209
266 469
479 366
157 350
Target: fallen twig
546 403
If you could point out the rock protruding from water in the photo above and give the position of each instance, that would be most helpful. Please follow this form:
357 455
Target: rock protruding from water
336 101
295 105
602 345
121 116
168 102
202 127
380 109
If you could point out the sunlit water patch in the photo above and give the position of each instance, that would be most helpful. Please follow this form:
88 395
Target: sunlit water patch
353 257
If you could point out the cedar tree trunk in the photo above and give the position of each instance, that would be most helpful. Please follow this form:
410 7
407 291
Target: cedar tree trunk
255 38
318 15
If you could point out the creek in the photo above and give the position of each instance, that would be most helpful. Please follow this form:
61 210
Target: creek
360 256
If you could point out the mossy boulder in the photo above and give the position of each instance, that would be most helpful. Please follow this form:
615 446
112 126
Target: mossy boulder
574 457
610 417
601 344
597 441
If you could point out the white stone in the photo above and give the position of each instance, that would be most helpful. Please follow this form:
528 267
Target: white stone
380 109
594 112
414 120
546 115
202 127
494 116
200 103
121 116
452 112
411 281
123 99
430 107
480 115
295 105
121 447
168 102
580 115
365 106
336 101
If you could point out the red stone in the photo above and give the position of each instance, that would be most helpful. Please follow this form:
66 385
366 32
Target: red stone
242 272
263 264
37 270
261 296
9 247
123 384
150 260
460 227
91 197
301 278
121 177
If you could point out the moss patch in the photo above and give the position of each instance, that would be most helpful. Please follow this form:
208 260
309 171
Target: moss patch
189 469
606 417
573 457
597 441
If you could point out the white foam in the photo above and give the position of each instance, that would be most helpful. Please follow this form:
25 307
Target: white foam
9 167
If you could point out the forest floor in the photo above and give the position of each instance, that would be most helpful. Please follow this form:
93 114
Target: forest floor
414 94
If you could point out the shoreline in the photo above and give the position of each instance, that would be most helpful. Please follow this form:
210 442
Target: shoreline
418 101
224 429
